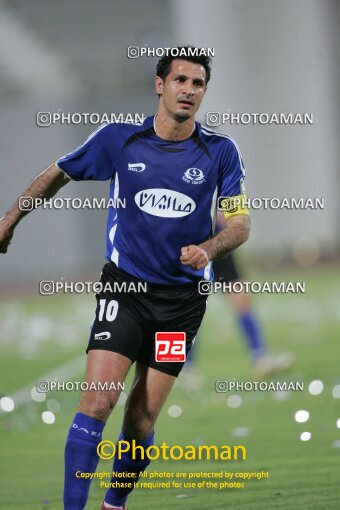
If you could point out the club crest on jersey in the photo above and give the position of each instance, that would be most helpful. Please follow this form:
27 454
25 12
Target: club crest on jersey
194 176
136 167
165 203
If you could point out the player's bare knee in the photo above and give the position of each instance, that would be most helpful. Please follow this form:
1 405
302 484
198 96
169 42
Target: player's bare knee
139 425
96 404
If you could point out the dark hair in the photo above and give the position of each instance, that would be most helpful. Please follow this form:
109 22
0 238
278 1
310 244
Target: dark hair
189 53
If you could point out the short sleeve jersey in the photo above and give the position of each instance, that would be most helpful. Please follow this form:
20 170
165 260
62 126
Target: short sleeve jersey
167 193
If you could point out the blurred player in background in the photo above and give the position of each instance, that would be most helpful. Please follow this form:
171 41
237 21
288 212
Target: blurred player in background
263 363
170 170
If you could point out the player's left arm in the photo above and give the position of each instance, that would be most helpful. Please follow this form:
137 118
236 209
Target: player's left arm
235 234
236 213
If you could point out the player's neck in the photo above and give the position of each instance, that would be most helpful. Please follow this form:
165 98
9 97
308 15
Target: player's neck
168 128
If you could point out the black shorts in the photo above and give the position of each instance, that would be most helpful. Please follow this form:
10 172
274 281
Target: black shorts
225 269
126 322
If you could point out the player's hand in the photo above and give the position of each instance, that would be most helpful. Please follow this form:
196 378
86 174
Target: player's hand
6 234
194 256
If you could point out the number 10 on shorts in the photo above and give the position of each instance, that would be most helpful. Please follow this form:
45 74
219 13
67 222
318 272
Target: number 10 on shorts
170 346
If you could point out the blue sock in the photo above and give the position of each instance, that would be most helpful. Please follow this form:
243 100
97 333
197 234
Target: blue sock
252 333
117 496
80 455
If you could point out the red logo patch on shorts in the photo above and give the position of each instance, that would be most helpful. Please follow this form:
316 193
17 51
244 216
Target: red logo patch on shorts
170 346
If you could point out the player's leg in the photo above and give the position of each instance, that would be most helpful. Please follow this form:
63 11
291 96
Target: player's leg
226 270
86 429
175 309
248 323
103 367
147 396
264 364
115 339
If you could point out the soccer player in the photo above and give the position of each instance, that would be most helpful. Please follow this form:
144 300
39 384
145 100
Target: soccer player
263 363
170 170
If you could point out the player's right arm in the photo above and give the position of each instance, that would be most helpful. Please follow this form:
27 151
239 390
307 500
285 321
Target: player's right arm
45 185
93 160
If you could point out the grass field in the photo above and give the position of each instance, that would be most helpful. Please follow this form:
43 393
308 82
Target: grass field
39 334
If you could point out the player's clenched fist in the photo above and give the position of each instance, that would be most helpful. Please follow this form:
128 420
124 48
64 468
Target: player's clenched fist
194 256
6 234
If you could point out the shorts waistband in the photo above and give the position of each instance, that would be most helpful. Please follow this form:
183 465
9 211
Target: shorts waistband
152 286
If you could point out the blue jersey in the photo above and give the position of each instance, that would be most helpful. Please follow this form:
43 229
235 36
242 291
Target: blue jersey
170 191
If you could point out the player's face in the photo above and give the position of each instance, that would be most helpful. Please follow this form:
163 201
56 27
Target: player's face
183 89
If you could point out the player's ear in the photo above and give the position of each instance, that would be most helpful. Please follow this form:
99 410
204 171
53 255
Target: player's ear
159 85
